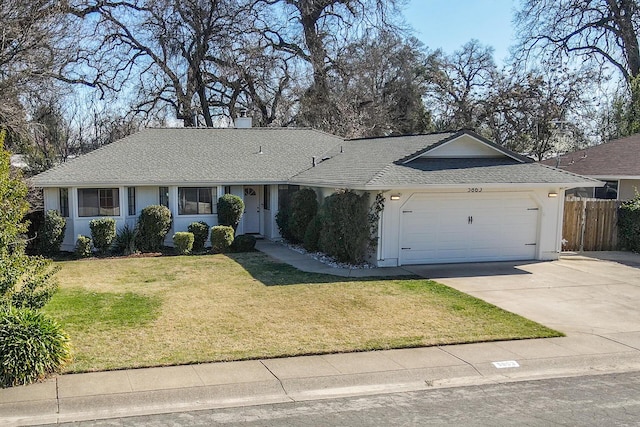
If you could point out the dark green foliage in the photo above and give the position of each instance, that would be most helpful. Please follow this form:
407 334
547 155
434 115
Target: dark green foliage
243 243
629 224
282 219
51 233
153 225
183 242
125 241
83 247
230 209
221 238
32 346
103 231
312 235
200 231
345 227
304 206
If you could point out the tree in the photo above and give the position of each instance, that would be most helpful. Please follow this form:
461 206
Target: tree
378 85
604 32
458 84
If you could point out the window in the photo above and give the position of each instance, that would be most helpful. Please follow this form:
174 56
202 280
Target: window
64 202
131 198
98 202
284 195
227 189
164 196
195 201
266 197
609 191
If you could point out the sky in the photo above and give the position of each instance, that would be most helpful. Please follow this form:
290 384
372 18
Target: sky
449 24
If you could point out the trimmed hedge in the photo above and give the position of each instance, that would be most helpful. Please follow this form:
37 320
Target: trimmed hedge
200 231
221 238
230 209
103 231
51 233
304 207
183 242
153 225
243 243
32 346
345 228
83 247
312 235
629 224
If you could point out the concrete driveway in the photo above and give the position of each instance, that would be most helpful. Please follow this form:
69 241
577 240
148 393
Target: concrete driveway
591 293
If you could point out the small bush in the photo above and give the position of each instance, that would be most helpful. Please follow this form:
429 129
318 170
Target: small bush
183 242
629 224
83 247
230 209
243 243
304 207
221 238
153 225
103 231
32 346
200 231
51 233
125 241
312 235
345 227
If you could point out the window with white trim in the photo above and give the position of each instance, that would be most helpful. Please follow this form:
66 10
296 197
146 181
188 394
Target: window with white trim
195 201
98 202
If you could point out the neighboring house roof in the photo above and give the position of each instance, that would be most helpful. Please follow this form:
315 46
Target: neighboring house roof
613 159
193 156
169 156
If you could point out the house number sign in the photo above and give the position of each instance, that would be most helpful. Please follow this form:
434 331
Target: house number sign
474 190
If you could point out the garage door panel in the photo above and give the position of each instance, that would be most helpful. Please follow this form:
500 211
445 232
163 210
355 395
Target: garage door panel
466 228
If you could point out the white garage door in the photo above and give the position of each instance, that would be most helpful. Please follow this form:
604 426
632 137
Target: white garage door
468 227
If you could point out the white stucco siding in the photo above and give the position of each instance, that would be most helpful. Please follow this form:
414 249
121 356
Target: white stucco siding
538 222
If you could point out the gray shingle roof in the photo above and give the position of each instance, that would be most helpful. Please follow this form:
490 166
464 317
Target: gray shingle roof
174 156
195 155
378 164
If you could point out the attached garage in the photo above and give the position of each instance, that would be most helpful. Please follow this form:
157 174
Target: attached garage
468 227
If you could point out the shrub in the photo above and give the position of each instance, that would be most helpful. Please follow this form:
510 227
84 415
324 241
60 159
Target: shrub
51 233
153 225
304 207
312 235
26 281
230 210
200 231
282 219
103 231
83 247
345 227
183 242
125 241
32 346
629 224
243 243
221 238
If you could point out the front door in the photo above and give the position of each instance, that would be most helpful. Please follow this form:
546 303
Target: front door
251 221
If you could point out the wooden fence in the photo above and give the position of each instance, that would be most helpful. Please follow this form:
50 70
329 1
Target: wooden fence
590 225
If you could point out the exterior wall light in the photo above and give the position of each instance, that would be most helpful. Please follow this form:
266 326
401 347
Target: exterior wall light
395 197
552 194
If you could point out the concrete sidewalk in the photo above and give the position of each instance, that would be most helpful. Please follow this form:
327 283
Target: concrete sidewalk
600 341
113 394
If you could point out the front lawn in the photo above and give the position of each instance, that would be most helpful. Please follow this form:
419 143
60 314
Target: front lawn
133 312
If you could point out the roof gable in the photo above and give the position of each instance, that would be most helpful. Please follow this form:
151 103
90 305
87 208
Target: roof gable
464 145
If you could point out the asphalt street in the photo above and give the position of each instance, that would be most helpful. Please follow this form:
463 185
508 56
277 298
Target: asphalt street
598 400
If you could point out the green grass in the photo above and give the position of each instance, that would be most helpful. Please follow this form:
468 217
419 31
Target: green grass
134 312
